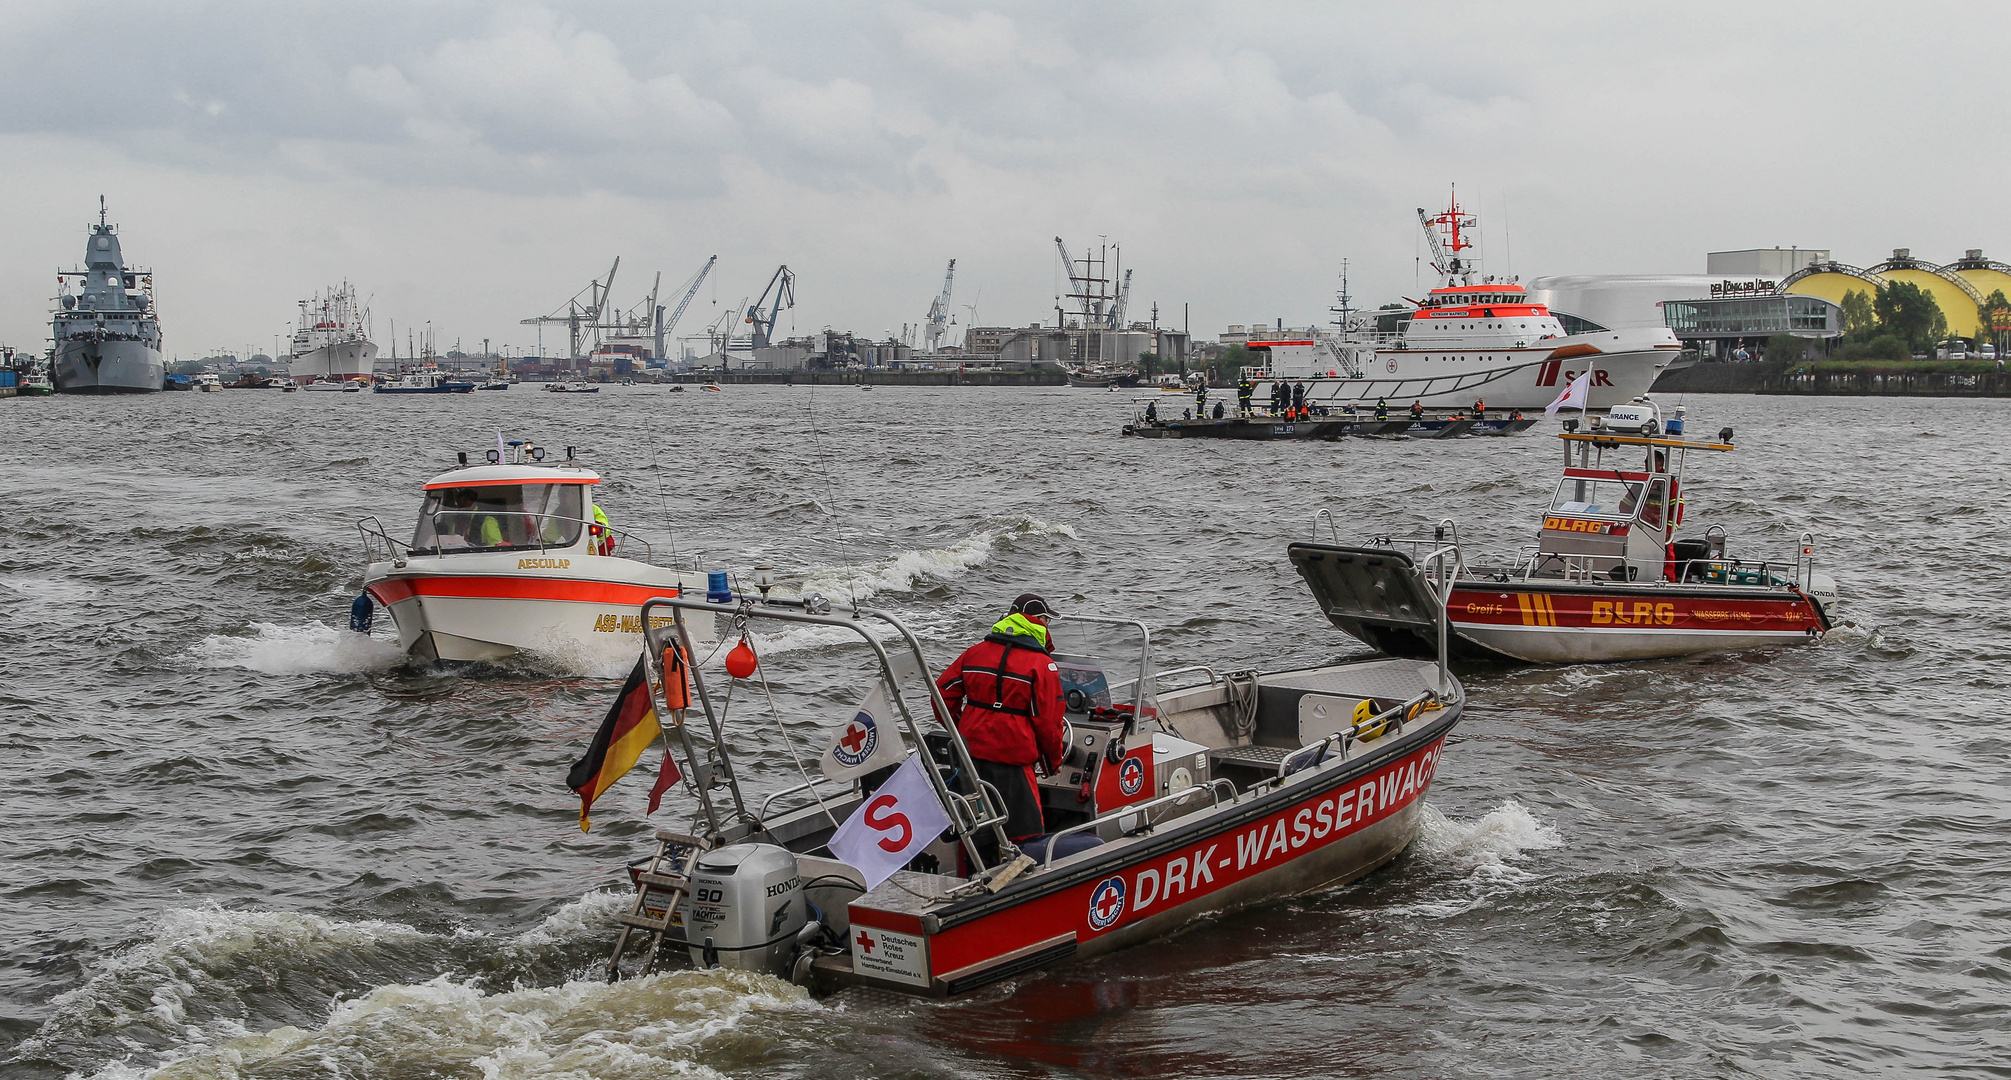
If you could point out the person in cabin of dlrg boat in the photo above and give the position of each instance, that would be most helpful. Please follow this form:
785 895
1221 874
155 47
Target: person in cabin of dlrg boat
1004 696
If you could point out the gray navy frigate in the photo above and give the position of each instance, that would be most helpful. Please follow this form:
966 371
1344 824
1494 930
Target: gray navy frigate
108 340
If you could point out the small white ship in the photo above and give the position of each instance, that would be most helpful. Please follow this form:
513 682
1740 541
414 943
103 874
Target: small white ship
108 340
333 342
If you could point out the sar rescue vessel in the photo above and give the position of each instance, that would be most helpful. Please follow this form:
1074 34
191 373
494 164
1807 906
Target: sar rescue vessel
510 557
1185 801
1473 338
107 335
1607 579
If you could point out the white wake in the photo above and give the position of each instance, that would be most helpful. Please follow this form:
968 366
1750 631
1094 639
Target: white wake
298 650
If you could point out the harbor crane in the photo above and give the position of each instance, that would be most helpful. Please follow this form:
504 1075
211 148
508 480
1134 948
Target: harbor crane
940 315
1074 281
1123 301
783 285
582 317
665 326
642 318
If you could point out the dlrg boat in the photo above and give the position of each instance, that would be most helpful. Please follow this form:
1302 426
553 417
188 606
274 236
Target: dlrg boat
1607 579
507 557
1186 800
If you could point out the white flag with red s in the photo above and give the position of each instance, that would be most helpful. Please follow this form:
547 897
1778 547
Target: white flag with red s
892 826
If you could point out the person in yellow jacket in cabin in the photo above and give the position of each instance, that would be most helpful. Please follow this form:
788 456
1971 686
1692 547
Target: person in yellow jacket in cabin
476 529
603 536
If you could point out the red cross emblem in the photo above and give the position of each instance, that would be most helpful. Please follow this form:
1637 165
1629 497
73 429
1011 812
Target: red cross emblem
1106 903
857 743
865 943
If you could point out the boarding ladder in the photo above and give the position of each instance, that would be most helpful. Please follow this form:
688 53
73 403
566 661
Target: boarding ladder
666 880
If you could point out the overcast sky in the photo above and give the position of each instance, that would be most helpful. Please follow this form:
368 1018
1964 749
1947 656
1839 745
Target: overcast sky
475 164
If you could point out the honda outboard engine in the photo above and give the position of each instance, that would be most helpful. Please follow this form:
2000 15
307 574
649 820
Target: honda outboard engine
745 909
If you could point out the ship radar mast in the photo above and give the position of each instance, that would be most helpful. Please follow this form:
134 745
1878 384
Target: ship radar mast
1343 313
1449 233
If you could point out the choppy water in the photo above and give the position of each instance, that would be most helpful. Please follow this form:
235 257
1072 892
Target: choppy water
240 842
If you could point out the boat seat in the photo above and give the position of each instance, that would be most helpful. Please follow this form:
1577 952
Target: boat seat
1251 757
1073 844
1245 766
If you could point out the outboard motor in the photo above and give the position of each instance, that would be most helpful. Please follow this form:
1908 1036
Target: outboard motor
745 909
361 613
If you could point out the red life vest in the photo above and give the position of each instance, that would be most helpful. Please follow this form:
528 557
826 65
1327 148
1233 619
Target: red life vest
1004 695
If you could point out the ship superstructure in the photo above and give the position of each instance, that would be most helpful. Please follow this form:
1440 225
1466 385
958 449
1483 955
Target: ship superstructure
333 342
107 336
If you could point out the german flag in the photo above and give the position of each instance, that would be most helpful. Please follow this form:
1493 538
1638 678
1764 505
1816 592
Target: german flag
628 729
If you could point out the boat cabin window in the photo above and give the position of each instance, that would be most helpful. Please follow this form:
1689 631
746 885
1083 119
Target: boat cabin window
498 516
1596 498
1658 497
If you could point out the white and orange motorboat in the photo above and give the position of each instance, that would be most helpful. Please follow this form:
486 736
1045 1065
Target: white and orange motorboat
1204 793
510 557
1608 579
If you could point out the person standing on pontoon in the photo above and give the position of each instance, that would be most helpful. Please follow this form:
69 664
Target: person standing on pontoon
1004 696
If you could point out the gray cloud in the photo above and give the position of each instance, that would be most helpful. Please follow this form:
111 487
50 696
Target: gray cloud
1239 150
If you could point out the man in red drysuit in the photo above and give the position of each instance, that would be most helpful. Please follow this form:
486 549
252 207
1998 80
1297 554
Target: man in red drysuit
1004 695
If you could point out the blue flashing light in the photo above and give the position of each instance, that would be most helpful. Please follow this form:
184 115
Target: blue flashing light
717 591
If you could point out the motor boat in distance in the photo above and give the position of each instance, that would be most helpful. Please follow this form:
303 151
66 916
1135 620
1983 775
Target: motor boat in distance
506 558
1608 578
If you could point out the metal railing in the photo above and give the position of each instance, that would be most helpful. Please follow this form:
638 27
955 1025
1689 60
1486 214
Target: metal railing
395 551
1333 529
1397 716
1159 677
375 536
969 814
1212 787
536 526
808 785
1144 662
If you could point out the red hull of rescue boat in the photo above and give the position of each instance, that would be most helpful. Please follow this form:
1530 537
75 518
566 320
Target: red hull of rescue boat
1558 623
1301 837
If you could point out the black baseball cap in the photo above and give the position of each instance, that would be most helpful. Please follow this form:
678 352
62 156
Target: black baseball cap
1031 604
